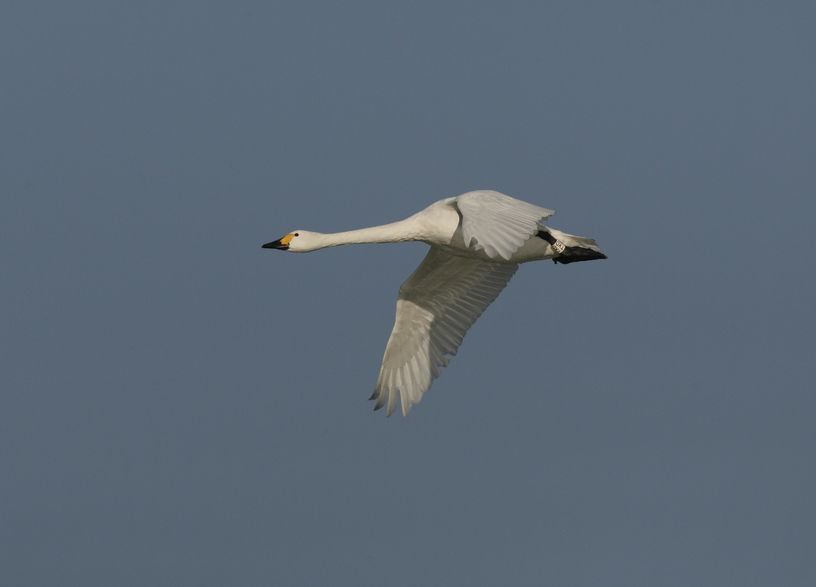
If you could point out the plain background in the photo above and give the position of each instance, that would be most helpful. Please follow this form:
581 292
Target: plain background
180 407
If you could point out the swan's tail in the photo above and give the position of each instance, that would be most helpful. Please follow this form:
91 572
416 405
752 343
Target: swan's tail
570 248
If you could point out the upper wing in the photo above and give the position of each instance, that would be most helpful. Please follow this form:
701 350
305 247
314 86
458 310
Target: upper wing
435 308
498 223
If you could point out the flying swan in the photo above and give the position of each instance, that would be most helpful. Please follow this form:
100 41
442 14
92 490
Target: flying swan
477 241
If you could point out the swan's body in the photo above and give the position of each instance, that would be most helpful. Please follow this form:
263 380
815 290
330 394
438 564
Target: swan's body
477 241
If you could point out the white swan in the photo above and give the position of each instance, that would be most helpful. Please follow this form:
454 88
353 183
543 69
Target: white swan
477 241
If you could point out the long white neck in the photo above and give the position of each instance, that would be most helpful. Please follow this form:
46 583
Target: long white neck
403 230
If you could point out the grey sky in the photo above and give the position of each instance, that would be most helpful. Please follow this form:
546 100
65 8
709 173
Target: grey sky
180 407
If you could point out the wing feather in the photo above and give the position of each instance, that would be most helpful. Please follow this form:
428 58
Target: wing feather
436 306
496 223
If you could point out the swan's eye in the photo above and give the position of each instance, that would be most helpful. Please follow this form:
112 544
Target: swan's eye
296 234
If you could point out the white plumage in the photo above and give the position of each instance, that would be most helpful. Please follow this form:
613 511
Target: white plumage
498 224
477 241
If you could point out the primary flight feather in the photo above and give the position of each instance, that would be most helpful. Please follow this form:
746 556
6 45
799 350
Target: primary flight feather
477 241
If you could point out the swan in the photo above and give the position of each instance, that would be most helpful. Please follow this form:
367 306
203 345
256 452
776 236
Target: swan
477 241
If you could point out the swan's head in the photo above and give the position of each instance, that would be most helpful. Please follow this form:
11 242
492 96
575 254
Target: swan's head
298 241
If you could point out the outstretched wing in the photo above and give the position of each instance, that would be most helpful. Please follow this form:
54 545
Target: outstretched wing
436 306
497 223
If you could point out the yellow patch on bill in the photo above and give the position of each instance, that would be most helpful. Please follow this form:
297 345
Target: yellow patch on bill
285 240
